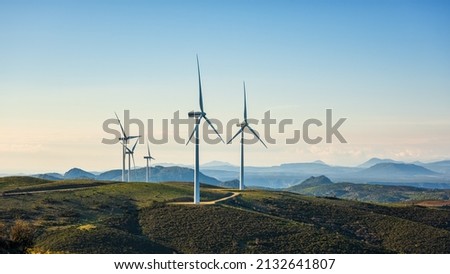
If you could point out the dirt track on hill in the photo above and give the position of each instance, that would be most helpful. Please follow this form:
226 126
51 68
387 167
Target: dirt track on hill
235 194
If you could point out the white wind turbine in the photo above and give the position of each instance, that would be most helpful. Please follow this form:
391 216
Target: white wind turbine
149 158
244 125
198 115
130 153
124 141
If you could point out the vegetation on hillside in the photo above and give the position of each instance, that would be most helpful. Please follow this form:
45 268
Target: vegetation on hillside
141 218
322 186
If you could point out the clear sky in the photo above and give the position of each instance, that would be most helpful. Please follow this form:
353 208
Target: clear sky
66 66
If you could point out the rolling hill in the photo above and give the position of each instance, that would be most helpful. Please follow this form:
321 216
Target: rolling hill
158 174
323 187
114 217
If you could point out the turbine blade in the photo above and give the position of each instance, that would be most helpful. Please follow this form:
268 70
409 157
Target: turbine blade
209 122
121 127
256 134
200 86
245 104
152 158
192 134
132 137
148 149
237 133
132 150
134 164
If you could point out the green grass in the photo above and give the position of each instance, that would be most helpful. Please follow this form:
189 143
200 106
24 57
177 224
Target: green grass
138 218
12 183
218 229
399 230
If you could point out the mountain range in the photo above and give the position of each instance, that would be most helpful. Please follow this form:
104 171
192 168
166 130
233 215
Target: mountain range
374 171
158 174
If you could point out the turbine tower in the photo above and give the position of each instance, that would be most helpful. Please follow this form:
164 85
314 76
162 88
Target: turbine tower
130 153
244 125
124 141
198 115
149 158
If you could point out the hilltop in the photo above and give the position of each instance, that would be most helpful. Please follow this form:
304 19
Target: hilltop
312 182
113 217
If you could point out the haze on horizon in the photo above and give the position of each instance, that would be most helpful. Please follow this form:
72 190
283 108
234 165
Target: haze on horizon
66 66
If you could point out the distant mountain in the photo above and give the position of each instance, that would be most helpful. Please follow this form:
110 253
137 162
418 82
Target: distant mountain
216 164
319 162
76 173
375 161
311 182
158 174
316 181
385 172
174 164
441 166
111 175
174 174
230 184
312 169
50 176
392 170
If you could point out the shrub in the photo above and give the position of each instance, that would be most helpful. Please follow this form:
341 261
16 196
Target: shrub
22 233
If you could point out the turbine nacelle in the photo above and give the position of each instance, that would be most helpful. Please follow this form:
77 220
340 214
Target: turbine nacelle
242 124
196 114
128 138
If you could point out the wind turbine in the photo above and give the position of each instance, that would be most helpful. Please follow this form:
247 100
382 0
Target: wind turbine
130 153
124 141
149 158
244 125
198 115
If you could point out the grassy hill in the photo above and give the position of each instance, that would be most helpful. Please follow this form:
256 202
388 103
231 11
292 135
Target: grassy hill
322 186
142 218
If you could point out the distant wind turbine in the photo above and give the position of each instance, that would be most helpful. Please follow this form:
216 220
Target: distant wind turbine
244 125
130 153
124 141
198 115
149 158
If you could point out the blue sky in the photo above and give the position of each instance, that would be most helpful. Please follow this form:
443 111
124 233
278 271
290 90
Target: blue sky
66 66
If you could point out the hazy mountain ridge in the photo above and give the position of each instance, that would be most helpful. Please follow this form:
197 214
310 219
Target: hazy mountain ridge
158 174
373 161
384 171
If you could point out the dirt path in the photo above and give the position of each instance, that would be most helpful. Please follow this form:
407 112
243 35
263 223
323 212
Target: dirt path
235 194
434 203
